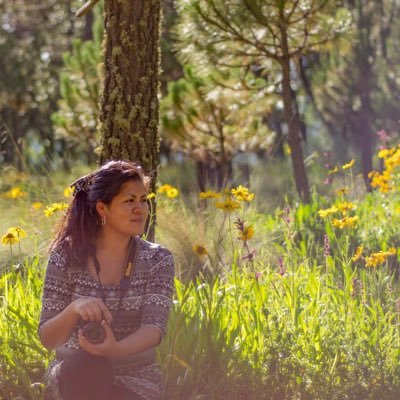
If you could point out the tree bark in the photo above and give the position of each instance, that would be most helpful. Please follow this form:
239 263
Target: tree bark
129 102
293 123
365 133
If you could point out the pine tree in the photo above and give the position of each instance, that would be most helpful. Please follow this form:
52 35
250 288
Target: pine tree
268 34
129 100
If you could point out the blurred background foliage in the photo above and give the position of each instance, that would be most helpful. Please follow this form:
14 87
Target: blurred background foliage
233 75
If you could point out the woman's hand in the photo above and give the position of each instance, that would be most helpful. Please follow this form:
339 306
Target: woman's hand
92 309
108 348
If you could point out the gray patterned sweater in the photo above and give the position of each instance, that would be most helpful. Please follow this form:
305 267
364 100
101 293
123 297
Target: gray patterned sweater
147 302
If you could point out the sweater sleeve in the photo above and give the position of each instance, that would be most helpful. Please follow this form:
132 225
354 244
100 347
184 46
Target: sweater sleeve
57 286
157 299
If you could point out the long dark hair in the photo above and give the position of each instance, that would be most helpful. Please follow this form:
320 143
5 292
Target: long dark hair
82 224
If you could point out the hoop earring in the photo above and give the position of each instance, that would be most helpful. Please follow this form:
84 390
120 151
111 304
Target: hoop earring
103 220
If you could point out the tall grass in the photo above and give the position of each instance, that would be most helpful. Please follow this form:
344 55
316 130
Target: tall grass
286 314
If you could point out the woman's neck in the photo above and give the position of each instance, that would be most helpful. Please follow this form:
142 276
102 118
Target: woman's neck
112 244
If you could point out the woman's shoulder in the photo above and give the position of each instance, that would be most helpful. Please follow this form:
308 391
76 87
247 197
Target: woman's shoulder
151 250
60 252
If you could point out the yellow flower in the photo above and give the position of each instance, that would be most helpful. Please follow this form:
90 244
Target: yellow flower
37 205
172 193
348 165
246 234
164 188
9 238
17 231
200 250
228 205
346 206
342 191
49 210
381 181
52 208
334 170
242 193
209 195
357 254
68 192
15 193
328 211
379 258
385 153
346 222
150 196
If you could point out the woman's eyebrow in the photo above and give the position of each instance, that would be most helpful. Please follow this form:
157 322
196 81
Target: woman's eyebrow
134 195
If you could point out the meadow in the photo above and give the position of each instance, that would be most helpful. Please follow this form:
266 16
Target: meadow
272 301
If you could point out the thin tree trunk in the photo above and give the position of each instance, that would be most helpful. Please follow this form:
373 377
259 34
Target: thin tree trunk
292 117
293 123
365 132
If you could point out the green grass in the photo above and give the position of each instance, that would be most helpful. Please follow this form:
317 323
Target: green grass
293 323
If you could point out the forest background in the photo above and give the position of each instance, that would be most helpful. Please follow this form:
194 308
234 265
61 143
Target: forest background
273 144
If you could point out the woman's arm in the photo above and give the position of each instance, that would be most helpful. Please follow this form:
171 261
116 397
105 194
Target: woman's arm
55 331
145 338
157 301
59 314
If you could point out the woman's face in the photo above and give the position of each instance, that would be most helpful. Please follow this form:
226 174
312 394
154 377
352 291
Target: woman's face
128 210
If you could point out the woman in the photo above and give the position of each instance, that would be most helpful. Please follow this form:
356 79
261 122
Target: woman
100 271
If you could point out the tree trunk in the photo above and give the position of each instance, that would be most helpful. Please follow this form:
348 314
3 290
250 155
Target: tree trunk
129 102
365 133
365 77
292 120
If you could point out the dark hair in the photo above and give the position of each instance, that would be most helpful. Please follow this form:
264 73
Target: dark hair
82 223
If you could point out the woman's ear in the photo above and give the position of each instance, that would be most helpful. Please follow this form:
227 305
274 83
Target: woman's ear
100 208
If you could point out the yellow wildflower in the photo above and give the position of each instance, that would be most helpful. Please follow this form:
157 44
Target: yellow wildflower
242 193
379 258
37 205
9 238
200 250
68 192
346 222
346 206
357 254
385 153
381 181
328 211
15 193
228 205
17 231
49 210
334 170
164 188
209 195
172 193
246 234
349 164
150 196
342 191
52 208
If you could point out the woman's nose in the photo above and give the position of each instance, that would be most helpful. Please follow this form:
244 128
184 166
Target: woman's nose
140 208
